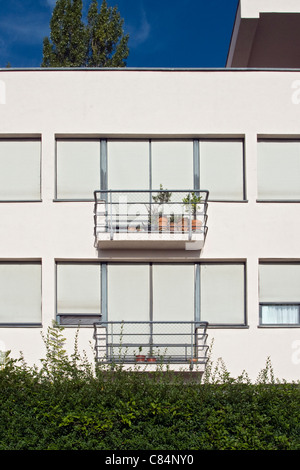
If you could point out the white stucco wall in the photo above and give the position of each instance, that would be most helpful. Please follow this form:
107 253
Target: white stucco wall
129 103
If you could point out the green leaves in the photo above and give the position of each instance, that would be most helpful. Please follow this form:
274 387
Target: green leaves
100 42
65 406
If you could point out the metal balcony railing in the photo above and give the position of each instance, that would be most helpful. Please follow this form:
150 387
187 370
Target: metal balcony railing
151 212
130 342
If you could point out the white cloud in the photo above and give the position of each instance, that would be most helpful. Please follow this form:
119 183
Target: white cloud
51 3
140 34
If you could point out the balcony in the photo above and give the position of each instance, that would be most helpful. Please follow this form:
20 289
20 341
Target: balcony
149 344
159 219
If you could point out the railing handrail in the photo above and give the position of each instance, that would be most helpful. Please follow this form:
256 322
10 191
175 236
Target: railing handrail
109 191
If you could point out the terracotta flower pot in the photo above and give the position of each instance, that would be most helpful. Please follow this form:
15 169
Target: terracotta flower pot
163 224
151 359
185 224
196 225
140 358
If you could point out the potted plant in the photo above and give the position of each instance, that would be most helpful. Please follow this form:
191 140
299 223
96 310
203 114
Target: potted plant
151 359
172 223
163 197
140 357
191 202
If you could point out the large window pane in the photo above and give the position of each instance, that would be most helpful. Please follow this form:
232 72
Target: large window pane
172 164
128 299
78 169
173 292
20 293
128 292
173 301
128 165
222 169
222 293
278 165
20 170
279 283
78 289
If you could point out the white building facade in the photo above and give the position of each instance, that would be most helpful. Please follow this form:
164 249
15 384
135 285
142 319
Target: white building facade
82 156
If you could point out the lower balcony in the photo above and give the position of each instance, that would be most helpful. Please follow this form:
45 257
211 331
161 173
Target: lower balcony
150 219
176 345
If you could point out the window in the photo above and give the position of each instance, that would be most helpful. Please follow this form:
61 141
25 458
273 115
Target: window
20 294
222 169
84 166
279 293
222 293
20 175
78 293
167 292
172 164
128 165
78 169
278 170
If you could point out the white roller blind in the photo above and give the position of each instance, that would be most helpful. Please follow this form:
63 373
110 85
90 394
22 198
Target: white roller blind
20 170
78 289
128 165
279 283
222 293
78 169
221 169
128 292
278 168
20 293
172 164
173 292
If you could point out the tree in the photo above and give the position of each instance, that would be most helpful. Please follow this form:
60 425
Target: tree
107 44
67 44
98 43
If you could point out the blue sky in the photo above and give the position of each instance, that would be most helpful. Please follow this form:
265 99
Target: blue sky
163 33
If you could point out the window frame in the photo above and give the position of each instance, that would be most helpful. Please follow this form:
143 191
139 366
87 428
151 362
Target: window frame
26 324
275 200
26 139
243 163
196 162
104 266
102 288
279 303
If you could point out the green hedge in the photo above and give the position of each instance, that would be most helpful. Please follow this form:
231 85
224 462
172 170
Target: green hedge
66 405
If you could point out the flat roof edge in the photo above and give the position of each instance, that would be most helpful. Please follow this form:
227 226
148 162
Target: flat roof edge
159 69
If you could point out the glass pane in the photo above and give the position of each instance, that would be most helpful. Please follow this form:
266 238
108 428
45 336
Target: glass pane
78 169
222 293
20 293
279 283
128 299
78 288
173 300
172 164
128 165
173 292
20 170
278 168
279 314
128 292
221 169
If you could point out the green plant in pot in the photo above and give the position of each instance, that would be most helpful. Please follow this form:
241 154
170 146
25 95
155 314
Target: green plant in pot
191 202
162 197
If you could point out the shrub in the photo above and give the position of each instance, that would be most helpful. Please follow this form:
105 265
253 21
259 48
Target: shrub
68 404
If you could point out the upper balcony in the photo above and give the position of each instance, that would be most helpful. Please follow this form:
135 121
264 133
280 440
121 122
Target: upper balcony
158 219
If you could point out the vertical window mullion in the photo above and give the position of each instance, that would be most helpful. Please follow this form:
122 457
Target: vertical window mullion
103 164
197 292
103 288
196 158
